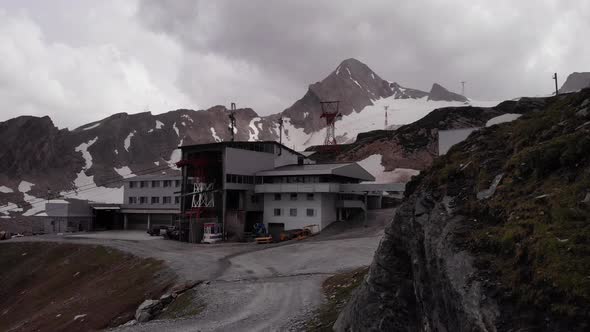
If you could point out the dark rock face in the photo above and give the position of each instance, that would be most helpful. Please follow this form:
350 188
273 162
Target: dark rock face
515 259
419 280
576 82
438 92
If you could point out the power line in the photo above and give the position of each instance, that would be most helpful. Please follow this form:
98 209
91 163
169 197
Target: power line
94 187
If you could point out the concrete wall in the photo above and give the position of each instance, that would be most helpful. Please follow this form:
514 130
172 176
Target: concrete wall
66 224
247 162
321 202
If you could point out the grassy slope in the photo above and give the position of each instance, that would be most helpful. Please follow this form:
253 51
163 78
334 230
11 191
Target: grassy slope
45 285
338 290
533 235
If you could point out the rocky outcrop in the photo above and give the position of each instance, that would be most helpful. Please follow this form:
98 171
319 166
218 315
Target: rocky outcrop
438 92
493 237
575 82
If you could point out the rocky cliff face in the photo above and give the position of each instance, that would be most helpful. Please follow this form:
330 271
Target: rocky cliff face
495 236
438 92
575 82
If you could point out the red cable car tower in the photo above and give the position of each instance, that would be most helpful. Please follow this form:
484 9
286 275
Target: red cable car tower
331 114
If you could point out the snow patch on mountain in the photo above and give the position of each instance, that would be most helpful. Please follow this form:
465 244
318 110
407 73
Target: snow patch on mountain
128 140
159 124
253 129
86 188
87 156
214 134
25 186
374 166
187 118
176 129
5 190
123 171
91 127
10 207
508 117
175 156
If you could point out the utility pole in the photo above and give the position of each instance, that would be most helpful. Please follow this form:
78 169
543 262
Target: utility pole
463 88
232 120
555 78
386 107
280 122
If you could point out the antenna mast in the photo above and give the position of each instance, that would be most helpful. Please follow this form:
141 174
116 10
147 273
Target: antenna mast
386 107
280 122
232 120
331 114
555 78
463 88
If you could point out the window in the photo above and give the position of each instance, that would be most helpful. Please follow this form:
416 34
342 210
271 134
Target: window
293 212
310 197
176 199
177 183
155 200
143 184
143 200
310 212
155 184
254 199
167 183
132 184
132 200
294 196
277 197
277 212
166 200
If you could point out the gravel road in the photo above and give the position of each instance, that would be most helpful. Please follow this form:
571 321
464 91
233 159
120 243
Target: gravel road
251 287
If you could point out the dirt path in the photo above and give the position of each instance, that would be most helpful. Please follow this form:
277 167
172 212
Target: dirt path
253 287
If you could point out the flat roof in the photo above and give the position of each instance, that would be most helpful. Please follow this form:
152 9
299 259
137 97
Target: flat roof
351 170
229 143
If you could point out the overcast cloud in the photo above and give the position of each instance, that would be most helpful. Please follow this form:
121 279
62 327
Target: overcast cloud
80 61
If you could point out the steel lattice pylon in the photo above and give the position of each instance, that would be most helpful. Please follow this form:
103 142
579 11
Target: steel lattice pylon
203 195
331 114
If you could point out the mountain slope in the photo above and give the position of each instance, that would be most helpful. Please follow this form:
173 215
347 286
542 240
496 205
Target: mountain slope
89 162
495 236
575 82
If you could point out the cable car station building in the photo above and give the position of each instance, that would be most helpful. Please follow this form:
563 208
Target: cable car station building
240 184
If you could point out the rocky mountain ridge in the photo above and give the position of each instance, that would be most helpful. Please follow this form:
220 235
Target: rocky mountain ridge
101 153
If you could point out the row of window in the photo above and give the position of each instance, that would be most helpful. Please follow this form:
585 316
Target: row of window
294 197
154 184
293 212
245 179
154 200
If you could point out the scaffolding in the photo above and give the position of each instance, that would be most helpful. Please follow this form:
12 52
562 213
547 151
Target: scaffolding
201 170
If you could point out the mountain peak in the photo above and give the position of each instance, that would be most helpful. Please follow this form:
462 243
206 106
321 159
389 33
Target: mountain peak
354 68
575 82
439 92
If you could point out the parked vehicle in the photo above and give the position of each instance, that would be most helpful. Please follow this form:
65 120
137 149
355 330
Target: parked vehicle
157 230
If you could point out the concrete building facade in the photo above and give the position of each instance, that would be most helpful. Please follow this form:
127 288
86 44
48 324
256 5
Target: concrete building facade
150 200
246 183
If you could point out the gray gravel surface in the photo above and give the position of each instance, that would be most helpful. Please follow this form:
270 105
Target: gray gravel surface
252 287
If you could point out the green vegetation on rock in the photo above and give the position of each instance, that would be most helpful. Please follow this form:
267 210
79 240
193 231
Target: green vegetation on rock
533 234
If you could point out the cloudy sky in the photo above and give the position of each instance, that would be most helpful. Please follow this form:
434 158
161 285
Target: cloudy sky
80 61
